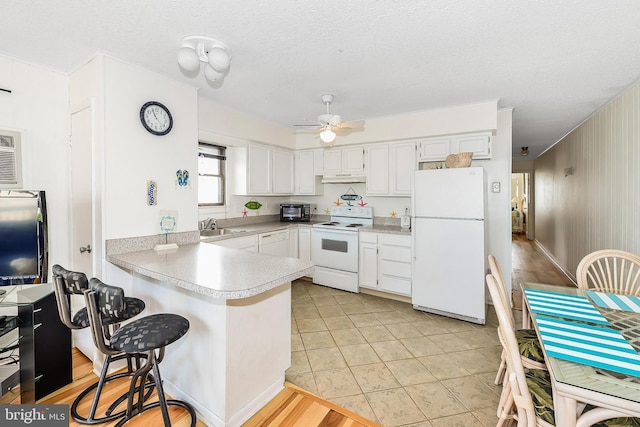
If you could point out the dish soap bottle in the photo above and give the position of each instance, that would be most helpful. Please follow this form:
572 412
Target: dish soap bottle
405 220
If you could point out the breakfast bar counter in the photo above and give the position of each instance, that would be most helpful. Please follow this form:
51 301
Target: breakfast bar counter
234 357
213 270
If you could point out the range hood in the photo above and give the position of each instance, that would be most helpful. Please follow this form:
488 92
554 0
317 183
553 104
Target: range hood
343 179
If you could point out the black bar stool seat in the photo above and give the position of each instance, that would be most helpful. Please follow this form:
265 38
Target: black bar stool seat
67 283
146 335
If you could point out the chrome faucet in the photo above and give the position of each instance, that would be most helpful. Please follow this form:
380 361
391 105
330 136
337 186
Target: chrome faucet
208 224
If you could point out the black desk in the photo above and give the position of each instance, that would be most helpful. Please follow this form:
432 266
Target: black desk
44 342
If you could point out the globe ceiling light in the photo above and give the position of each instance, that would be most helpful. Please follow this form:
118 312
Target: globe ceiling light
188 59
327 135
219 59
214 53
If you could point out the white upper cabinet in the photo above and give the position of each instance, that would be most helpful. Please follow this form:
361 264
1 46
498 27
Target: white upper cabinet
282 175
308 172
353 160
377 166
389 168
259 169
402 163
343 160
434 149
478 144
437 149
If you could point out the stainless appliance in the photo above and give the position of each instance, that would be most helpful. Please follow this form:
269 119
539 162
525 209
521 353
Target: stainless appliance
334 247
23 237
449 242
295 212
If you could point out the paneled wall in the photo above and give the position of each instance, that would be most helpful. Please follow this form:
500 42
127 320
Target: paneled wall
587 186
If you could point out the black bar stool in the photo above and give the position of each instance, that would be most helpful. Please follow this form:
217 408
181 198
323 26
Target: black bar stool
145 335
67 283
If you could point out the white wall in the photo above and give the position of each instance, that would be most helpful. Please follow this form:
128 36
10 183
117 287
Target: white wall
498 169
439 121
228 127
597 206
132 155
37 107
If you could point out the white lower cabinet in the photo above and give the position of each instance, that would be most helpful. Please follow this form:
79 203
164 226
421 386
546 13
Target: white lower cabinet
246 243
304 243
293 242
385 262
368 260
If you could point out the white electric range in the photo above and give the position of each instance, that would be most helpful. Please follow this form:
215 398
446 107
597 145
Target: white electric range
334 247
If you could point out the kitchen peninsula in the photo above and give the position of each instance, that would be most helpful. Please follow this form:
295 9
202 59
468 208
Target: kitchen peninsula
233 359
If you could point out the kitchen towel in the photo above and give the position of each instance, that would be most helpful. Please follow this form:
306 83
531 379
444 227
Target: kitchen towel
591 345
576 307
615 301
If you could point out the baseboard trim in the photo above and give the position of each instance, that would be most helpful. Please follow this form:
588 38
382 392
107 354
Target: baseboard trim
566 272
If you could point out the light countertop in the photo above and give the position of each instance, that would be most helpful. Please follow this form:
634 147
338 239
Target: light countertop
213 270
264 227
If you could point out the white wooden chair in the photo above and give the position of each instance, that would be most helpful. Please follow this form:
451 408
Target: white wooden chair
531 350
530 389
610 270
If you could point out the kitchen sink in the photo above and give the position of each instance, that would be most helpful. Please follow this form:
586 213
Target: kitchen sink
217 232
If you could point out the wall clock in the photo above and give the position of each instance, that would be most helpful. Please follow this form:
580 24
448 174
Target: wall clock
156 118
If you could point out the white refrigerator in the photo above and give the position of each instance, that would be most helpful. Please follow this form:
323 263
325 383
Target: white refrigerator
448 229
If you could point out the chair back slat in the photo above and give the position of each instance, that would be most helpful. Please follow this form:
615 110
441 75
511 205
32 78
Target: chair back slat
610 270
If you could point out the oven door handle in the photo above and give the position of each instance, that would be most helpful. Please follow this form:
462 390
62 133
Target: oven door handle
339 232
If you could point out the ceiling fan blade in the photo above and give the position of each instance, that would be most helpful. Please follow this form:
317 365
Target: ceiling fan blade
355 124
311 126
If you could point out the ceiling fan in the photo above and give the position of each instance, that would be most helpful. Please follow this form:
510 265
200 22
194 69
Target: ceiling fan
329 124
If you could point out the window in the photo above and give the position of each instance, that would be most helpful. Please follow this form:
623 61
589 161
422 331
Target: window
211 159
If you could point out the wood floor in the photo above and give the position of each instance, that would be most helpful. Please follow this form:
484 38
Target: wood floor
530 264
292 407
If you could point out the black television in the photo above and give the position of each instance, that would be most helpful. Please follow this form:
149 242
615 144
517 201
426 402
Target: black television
23 237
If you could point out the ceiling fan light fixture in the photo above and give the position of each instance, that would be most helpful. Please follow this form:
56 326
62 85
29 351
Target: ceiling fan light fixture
327 135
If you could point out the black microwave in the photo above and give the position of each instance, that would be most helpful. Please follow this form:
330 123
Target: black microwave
295 212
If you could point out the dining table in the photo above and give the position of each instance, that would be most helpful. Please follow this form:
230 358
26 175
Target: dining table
591 342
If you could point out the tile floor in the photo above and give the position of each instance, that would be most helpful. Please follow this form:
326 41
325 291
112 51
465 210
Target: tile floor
390 363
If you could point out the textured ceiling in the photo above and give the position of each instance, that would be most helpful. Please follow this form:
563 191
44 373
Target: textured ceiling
553 62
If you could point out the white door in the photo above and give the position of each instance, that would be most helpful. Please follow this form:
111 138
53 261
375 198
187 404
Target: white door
81 210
